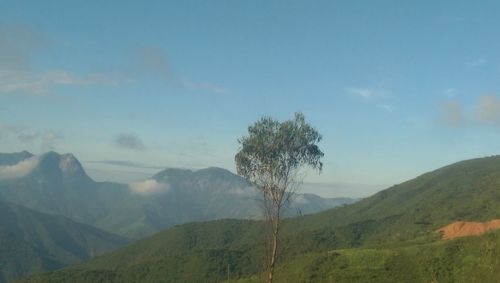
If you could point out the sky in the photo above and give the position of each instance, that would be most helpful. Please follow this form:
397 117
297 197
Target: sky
396 88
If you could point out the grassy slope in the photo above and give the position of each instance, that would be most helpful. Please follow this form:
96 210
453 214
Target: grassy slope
391 221
471 259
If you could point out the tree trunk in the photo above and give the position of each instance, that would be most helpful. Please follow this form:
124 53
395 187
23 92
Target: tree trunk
274 252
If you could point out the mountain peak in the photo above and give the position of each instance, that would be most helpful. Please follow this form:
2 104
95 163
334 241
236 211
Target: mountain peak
53 164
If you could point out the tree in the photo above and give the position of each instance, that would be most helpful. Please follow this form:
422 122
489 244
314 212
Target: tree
271 157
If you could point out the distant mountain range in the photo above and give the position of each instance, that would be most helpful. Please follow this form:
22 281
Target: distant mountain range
57 184
53 214
388 237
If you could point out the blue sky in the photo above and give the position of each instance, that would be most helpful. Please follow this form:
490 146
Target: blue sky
397 88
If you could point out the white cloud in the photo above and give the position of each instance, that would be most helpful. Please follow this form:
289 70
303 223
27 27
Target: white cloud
27 81
148 187
362 92
18 170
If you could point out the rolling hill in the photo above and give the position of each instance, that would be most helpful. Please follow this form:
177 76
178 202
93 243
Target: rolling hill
389 235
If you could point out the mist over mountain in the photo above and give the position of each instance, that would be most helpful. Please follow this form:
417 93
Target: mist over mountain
13 158
57 184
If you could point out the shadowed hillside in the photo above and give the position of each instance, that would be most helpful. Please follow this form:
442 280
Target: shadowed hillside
31 241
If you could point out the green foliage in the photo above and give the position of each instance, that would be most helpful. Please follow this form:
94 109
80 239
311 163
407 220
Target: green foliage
389 237
472 259
198 252
273 150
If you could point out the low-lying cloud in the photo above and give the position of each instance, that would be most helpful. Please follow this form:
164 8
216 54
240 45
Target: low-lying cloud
18 170
148 187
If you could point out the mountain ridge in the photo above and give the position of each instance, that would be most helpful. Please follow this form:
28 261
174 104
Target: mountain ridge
58 184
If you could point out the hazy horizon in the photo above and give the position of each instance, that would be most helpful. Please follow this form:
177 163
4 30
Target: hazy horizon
395 89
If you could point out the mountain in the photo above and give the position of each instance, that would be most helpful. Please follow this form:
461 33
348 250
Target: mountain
32 242
13 158
389 236
57 184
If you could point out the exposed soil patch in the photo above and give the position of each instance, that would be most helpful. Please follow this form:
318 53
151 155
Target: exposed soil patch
464 228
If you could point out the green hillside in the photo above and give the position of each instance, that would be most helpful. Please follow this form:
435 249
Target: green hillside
32 242
467 190
470 259
390 228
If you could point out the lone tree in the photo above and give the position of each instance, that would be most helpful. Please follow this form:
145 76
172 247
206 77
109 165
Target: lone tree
271 157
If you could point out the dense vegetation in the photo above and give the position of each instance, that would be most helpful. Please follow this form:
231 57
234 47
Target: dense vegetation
471 259
389 236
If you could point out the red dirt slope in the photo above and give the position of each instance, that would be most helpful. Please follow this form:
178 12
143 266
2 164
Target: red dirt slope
463 228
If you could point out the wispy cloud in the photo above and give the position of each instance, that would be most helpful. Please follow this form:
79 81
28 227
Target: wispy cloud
148 187
362 92
127 163
18 46
154 62
128 141
376 96
24 81
46 140
18 170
